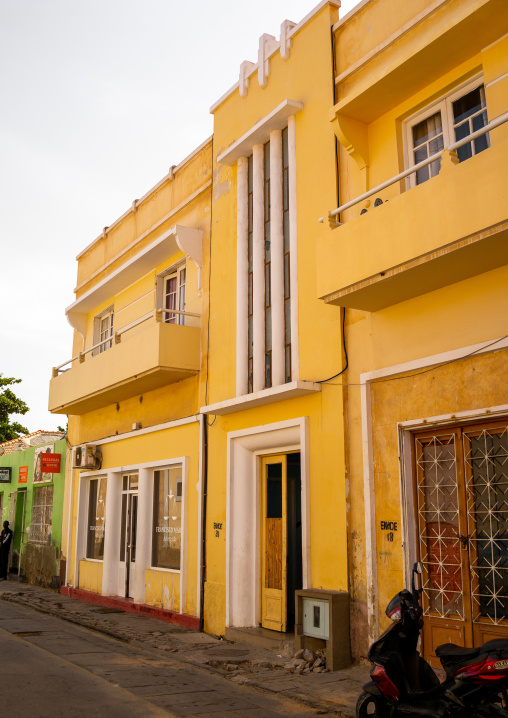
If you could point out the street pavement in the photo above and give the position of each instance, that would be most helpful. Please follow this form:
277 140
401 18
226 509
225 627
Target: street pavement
164 665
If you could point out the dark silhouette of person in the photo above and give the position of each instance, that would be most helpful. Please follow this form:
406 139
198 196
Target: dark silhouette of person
5 547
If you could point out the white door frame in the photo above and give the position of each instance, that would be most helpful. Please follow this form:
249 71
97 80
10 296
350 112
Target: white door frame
242 511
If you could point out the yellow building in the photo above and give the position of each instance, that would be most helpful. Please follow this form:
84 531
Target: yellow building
417 254
281 421
134 499
276 483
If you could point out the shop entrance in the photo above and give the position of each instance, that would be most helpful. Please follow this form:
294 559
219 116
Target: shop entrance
281 539
17 501
128 531
461 482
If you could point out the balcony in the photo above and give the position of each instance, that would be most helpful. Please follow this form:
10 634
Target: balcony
148 355
450 228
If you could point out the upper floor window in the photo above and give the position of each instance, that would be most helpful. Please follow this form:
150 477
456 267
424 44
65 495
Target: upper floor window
451 119
103 330
171 293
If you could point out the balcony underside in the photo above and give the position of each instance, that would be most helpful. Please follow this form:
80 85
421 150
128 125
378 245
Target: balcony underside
450 228
150 356
453 263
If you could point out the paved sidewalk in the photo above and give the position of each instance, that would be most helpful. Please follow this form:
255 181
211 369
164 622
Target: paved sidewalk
332 693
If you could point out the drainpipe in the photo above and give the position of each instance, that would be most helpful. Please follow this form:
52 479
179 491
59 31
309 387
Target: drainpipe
68 468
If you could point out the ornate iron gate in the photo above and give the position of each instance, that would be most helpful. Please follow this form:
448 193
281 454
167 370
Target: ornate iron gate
461 476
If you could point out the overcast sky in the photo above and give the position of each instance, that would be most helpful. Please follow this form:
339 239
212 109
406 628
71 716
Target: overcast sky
98 99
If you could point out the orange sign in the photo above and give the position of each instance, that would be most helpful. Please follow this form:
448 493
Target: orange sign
23 475
50 463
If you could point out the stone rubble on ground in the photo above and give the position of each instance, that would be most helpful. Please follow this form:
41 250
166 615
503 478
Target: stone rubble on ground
306 662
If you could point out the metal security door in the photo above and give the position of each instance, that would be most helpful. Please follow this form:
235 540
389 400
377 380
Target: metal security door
462 512
274 543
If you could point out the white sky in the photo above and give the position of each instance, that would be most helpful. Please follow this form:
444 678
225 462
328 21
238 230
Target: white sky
98 99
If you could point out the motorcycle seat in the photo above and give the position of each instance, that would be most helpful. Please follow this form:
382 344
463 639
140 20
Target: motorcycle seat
452 656
451 651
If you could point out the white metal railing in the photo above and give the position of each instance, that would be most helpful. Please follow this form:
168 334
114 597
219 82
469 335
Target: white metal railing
117 336
464 141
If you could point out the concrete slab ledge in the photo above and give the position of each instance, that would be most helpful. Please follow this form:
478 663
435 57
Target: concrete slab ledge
127 605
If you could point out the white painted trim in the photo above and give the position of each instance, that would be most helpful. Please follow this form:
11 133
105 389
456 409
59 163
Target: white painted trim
242 270
368 469
293 245
148 430
242 511
258 267
267 396
147 195
200 490
133 467
177 238
442 358
287 37
277 257
493 82
259 134
370 515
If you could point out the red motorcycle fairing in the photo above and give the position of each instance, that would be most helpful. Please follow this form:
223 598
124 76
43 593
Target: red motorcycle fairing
385 685
489 669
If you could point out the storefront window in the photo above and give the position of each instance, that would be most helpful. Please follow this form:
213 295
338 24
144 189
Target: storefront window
167 518
96 519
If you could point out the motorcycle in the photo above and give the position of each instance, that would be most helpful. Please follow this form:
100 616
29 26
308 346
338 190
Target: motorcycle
404 684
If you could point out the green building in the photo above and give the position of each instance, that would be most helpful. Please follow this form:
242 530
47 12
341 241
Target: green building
32 479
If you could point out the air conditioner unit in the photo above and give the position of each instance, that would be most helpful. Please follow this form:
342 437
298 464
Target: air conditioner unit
87 457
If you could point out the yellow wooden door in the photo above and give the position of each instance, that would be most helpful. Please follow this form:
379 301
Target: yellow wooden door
273 532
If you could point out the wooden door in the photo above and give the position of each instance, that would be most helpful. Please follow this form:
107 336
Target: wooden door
273 532
461 478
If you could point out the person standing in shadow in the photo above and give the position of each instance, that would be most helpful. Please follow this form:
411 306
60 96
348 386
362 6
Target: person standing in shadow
5 547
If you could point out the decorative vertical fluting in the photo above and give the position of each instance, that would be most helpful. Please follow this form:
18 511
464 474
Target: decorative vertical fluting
277 258
295 361
242 269
258 268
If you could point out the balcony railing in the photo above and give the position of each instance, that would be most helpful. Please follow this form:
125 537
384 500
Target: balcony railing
117 336
334 214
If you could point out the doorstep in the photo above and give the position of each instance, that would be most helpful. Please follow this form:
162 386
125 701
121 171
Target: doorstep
282 643
128 605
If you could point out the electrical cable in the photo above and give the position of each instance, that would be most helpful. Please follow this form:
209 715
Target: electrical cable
416 373
322 381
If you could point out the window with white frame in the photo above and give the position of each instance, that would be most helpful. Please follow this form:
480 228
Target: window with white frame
103 330
96 518
445 122
171 293
167 518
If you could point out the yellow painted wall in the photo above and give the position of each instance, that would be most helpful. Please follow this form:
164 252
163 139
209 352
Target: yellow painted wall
304 77
162 589
180 441
458 315
90 576
183 199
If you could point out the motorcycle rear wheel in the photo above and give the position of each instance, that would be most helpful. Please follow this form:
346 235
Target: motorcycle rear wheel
373 706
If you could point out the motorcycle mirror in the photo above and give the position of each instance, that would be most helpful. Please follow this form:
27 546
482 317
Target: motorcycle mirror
417 569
